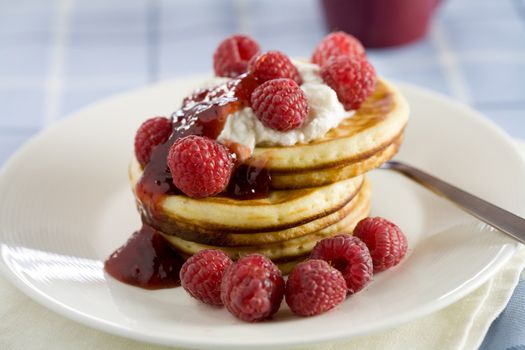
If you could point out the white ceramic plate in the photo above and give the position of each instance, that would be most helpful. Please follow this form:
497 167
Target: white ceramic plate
65 205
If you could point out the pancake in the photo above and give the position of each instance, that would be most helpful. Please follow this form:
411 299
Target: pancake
360 143
229 239
318 191
290 248
280 210
336 173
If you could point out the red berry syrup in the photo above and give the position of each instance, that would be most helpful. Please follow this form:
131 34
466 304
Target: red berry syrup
146 261
249 182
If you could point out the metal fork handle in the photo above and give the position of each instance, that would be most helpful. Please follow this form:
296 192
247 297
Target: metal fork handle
503 220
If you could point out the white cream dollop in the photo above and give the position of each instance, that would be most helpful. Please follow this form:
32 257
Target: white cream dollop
326 112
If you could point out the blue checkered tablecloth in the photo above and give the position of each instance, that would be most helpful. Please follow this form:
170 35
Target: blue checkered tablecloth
57 56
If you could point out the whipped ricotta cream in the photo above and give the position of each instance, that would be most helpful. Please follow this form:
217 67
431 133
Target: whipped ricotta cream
326 112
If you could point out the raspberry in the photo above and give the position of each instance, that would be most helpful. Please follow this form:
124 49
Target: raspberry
201 275
314 287
150 134
273 65
352 78
231 57
350 256
386 242
252 288
200 166
280 104
335 45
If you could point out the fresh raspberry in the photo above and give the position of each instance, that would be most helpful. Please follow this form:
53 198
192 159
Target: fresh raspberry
335 45
252 288
386 242
150 134
201 275
232 55
273 65
350 256
314 287
200 166
352 78
280 104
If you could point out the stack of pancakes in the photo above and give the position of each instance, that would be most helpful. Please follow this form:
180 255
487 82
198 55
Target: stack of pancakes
318 190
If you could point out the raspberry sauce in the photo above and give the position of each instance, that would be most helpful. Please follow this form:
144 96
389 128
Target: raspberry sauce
204 113
249 182
146 261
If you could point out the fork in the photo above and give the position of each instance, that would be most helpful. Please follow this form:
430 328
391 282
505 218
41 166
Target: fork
505 221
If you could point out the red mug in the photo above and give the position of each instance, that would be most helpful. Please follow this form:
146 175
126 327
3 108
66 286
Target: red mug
380 23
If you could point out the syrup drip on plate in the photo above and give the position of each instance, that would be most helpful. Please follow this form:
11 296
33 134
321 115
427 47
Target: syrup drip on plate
146 261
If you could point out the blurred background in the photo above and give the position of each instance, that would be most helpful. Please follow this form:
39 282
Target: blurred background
58 56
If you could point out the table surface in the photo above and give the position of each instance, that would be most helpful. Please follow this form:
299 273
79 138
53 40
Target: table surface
58 56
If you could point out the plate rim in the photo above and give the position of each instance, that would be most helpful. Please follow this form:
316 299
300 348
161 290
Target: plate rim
26 287
115 329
